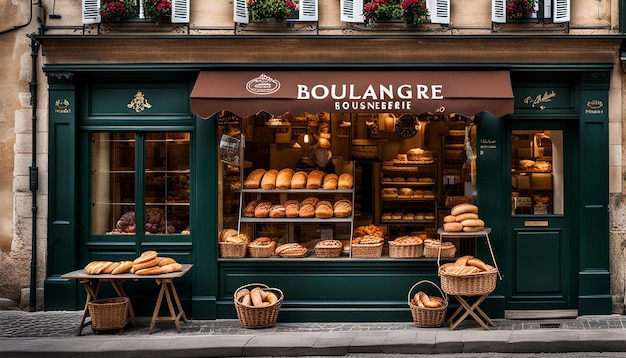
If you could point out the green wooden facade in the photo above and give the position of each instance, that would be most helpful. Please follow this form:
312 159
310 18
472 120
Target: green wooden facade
324 289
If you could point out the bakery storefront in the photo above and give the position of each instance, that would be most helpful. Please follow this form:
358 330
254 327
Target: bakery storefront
308 165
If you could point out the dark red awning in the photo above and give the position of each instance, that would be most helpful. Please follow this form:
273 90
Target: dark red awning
439 92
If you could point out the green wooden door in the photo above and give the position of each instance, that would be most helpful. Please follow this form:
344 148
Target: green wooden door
541 239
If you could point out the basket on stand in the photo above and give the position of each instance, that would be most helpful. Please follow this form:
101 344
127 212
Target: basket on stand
109 313
258 317
476 284
425 316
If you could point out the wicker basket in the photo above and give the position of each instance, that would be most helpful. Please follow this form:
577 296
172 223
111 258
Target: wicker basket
476 284
261 251
328 252
109 313
233 250
432 251
400 250
428 317
258 317
367 250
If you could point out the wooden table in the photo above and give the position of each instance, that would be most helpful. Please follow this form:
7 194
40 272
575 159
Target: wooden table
91 284
472 309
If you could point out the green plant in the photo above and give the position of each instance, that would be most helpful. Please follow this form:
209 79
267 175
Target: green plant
381 10
277 9
157 9
517 9
117 10
415 11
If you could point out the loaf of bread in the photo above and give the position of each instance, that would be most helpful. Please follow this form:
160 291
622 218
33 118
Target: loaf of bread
223 234
290 249
342 208
283 180
292 208
323 211
330 182
389 192
277 211
405 192
311 200
466 216
248 210
346 181
268 182
466 265
262 210
299 179
307 211
253 181
314 181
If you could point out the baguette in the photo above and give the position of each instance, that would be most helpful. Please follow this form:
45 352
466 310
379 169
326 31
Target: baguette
255 295
146 256
246 300
124 267
166 261
155 270
89 267
110 268
136 267
449 219
465 216
171 267
462 261
101 267
473 223
452 227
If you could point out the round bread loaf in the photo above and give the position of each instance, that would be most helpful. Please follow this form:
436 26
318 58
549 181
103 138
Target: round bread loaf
452 227
464 208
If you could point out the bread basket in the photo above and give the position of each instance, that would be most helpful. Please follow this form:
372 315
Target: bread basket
367 250
476 284
258 317
432 251
405 250
261 251
232 249
109 313
428 317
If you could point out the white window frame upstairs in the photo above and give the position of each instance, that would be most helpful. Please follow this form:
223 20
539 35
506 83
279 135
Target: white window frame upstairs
438 10
91 11
561 13
308 11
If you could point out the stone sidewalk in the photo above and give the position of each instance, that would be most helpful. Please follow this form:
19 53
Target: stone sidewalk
52 334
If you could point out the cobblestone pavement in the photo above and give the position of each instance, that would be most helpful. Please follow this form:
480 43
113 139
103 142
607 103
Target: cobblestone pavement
65 324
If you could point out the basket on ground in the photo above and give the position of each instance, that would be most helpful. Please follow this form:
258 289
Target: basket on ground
476 284
109 313
367 250
258 317
405 250
233 249
428 317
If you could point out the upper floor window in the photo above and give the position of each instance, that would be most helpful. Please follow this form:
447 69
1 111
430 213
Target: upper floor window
97 11
503 11
438 11
299 10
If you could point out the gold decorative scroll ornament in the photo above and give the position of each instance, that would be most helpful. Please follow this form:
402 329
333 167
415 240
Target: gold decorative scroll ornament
139 102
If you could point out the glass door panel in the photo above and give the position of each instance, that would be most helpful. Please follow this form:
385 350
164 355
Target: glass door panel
537 172
113 183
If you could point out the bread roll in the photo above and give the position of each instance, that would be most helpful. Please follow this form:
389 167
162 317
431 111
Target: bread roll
299 179
452 227
314 181
345 181
466 216
253 181
283 180
473 223
268 182
464 208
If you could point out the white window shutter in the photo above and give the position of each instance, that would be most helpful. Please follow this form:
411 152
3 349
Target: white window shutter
438 11
561 11
498 11
91 12
240 14
352 10
308 10
180 11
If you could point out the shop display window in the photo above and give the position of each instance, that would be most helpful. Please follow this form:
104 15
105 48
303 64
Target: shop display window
537 172
146 172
